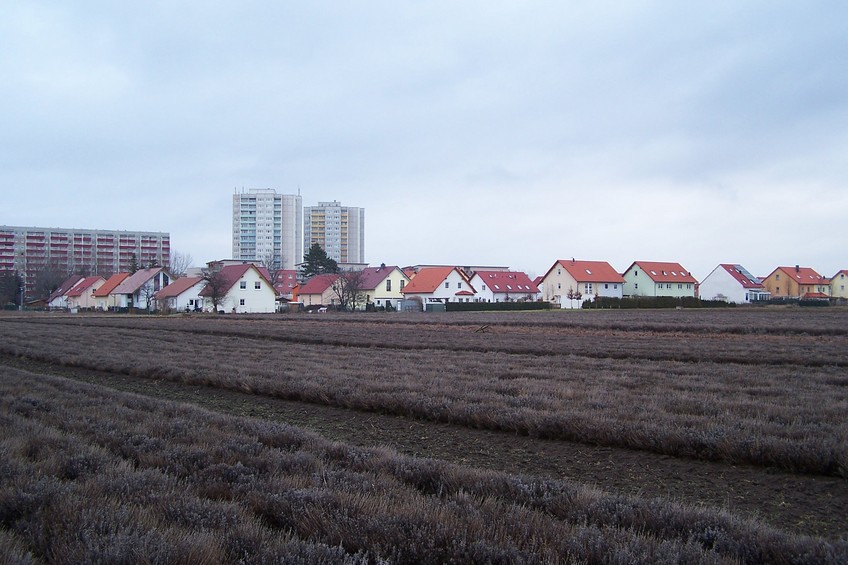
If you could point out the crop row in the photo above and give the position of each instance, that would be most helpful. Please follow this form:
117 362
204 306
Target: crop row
90 475
783 417
547 340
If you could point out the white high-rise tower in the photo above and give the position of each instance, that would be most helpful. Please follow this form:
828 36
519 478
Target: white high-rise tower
267 227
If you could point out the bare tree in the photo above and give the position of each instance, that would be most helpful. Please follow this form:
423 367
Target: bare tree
348 289
273 264
146 293
178 263
215 289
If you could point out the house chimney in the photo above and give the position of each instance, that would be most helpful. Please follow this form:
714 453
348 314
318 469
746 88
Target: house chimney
797 268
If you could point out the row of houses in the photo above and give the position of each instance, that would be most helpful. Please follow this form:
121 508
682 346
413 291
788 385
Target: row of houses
247 287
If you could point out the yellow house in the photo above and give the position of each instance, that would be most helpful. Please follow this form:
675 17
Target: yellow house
797 282
318 291
382 286
839 284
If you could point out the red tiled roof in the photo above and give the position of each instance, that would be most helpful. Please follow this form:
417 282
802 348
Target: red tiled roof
66 286
803 275
136 280
82 286
177 287
742 276
661 272
373 276
110 284
589 271
317 284
816 295
464 293
507 281
232 273
428 280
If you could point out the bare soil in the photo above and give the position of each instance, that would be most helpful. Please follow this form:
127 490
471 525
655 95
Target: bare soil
804 504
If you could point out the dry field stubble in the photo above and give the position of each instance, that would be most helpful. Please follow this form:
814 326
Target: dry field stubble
91 475
772 395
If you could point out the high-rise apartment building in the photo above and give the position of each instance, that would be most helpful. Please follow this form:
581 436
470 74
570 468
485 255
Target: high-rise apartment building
339 230
267 227
32 250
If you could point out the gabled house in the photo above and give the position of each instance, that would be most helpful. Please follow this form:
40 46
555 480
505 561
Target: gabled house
440 285
382 286
241 289
504 286
570 283
657 278
138 289
318 291
82 295
58 298
839 284
797 282
732 283
103 297
182 294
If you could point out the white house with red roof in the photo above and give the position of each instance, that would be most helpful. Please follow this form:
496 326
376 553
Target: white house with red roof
440 285
570 283
248 291
657 278
182 294
504 286
797 282
839 284
82 295
732 283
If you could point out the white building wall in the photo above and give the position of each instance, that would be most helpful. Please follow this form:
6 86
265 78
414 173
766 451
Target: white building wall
255 296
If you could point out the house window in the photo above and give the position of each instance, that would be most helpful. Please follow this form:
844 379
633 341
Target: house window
588 288
388 285
241 302
447 284
459 285
777 277
680 286
636 285
243 285
257 285
559 286
689 286
668 285
606 286
402 283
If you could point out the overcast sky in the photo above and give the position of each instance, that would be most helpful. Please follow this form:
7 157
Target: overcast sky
495 133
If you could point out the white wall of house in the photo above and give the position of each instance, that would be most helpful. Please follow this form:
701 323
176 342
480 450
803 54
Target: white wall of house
251 295
485 292
447 289
188 299
720 285
86 299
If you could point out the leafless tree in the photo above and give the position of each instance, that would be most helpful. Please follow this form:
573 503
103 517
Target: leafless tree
178 263
146 293
215 289
348 289
274 264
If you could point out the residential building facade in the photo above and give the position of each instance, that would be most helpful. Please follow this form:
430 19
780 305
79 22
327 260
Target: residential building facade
797 282
267 227
733 283
504 286
568 279
440 285
839 284
658 278
32 250
339 230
